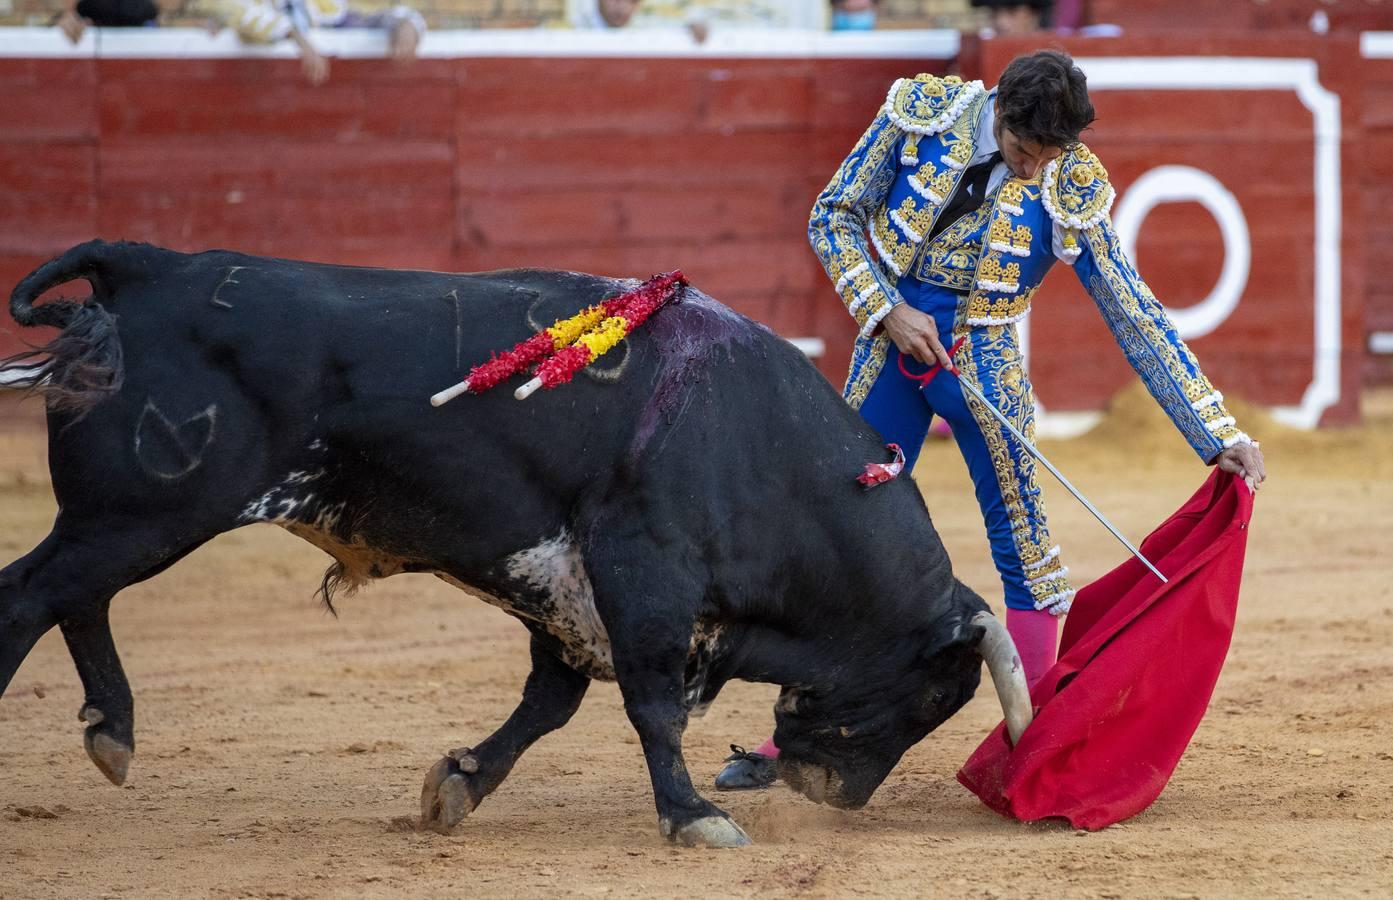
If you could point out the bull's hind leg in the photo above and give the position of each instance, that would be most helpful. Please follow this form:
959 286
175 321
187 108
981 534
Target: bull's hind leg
649 610
464 777
69 581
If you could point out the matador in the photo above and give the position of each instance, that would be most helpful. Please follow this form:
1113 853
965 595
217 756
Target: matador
937 231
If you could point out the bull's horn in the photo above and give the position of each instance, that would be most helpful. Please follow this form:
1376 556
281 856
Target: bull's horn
1008 675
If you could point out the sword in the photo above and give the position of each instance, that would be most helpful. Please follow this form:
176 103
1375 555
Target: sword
1039 457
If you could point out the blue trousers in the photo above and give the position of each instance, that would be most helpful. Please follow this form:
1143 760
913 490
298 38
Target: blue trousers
1003 474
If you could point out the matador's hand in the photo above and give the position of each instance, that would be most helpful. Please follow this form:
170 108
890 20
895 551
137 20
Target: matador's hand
1245 461
916 334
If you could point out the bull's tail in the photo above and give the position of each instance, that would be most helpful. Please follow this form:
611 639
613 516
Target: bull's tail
83 364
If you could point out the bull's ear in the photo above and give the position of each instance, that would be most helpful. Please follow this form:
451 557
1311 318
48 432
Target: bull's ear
956 628
952 633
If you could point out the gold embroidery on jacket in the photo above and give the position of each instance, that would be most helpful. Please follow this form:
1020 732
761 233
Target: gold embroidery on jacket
1163 360
991 360
950 259
862 378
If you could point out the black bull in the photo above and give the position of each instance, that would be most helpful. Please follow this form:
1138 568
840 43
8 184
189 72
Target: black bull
685 516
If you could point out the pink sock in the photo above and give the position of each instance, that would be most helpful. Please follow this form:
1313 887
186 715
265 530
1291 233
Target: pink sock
768 749
1035 633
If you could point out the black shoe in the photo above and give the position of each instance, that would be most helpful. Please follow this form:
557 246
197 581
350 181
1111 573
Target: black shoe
746 771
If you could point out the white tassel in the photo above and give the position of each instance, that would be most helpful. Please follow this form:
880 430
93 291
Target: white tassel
1040 563
925 192
1009 248
999 287
909 232
988 321
1207 400
886 259
851 275
1222 423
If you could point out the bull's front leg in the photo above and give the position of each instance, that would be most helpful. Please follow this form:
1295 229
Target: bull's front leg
650 640
460 781
653 701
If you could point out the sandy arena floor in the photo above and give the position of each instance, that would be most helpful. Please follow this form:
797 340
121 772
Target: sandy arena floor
281 751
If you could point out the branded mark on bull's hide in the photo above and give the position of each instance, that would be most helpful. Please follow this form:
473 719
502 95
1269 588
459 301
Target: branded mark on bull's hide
170 451
227 279
453 297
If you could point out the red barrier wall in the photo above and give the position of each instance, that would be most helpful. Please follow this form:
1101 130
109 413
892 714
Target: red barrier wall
628 167
1376 183
1240 17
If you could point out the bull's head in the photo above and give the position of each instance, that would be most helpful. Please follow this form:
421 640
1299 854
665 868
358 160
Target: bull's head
838 741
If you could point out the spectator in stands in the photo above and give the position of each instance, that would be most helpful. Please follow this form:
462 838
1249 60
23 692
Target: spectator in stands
260 22
854 15
612 14
1013 17
267 21
604 13
77 15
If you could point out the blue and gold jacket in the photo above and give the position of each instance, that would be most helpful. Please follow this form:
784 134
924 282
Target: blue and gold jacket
887 195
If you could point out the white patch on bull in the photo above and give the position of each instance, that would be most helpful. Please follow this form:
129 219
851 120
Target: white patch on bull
259 510
704 647
555 569
294 509
280 504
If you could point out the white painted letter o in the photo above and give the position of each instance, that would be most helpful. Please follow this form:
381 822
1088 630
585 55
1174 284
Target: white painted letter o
1174 184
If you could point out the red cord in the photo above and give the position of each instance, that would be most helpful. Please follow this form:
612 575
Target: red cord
928 376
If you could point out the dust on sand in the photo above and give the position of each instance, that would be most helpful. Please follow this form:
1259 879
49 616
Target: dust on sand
280 751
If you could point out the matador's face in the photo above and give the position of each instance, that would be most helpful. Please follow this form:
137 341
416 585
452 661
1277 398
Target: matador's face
1025 158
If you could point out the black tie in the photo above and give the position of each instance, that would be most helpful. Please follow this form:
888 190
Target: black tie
972 190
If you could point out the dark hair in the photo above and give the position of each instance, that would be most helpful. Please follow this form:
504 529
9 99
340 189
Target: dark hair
1043 97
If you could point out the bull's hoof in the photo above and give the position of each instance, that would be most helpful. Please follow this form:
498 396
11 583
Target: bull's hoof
446 797
712 831
111 756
